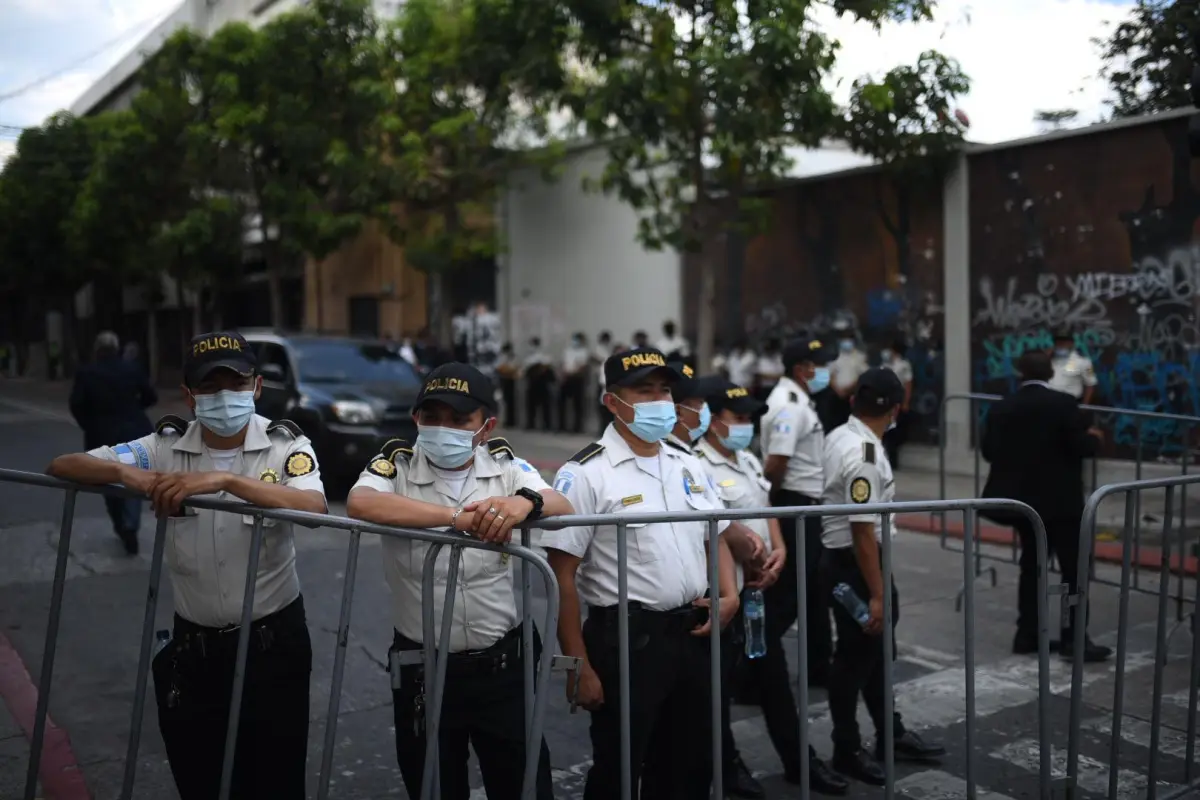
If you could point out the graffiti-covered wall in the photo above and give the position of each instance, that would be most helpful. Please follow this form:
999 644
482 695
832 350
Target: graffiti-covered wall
850 248
1095 234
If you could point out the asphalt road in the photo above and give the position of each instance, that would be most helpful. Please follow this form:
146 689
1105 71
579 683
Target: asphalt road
97 658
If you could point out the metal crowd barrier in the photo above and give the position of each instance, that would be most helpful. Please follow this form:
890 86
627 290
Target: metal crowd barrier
1133 522
970 509
1162 639
435 665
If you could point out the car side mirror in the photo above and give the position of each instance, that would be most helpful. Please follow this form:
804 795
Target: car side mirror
273 373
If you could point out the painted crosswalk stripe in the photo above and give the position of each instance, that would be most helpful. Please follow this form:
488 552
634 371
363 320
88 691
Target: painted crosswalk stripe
1134 731
932 784
1093 774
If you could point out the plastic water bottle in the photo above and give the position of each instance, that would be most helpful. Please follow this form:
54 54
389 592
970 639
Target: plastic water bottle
859 611
161 640
754 611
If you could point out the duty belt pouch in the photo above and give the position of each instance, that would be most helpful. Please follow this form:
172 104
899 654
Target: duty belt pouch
399 659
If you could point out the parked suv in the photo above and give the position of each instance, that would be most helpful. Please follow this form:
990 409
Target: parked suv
348 395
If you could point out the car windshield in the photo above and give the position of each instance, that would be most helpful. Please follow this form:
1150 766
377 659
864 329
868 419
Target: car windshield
352 362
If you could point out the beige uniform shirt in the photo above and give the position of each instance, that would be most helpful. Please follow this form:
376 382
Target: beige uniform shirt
791 428
740 484
207 552
1073 374
485 603
856 471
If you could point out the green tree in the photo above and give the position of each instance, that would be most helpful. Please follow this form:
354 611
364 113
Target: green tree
697 104
907 122
1147 57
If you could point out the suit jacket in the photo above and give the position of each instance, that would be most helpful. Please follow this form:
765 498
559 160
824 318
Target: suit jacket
1036 440
109 401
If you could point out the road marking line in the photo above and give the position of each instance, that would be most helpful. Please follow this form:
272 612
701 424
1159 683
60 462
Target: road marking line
1136 732
37 411
932 784
1092 774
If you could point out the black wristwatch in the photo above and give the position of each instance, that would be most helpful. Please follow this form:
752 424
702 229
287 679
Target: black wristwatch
535 498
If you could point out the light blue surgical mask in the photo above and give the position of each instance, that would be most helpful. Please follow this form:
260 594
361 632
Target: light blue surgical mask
1061 352
819 381
739 438
846 345
448 448
652 420
705 421
226 412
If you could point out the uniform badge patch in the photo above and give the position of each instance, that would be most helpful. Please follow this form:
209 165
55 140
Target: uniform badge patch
382 467
689 484
524 465
269 476
562 484
860 490
298 464
632 500
725 484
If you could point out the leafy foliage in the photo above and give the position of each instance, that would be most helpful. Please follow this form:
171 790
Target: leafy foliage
1148 56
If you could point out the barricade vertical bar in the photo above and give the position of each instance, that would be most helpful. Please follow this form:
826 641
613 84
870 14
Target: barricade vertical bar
541 698
1137 505
623 659
942 534
969 634
144 656
48 650
1043 603
1160 649
802 650
889 693
1122 650
1193 684
339 664
1095 473
714 657
1179 599
527 639
239 664
978 464
431 779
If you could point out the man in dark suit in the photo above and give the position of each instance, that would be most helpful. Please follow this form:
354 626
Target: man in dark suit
1036 440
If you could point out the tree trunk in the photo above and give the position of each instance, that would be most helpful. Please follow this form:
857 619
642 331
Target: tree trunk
439 317
317 291
706 311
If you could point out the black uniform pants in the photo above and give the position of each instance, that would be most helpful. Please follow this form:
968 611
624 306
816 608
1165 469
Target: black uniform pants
733 645
537 402
782 606
1062 539
508 390
483 706
858 660
571 395
193 681
670 724
897 436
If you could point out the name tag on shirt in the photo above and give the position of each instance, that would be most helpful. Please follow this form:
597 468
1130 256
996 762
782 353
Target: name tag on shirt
632 500
727 483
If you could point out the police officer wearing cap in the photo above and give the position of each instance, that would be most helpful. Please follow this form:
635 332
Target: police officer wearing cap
857 472
741 483
228 451
454 479
629 471
793 447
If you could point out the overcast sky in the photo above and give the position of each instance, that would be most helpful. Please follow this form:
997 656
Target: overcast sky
1022 55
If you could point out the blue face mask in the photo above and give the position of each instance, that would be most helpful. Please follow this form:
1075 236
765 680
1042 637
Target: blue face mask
846 345
448 448
224 413
705 421
819 381
739 438
1061 352
652 421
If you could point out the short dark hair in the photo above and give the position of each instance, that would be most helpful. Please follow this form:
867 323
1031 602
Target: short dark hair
1035 365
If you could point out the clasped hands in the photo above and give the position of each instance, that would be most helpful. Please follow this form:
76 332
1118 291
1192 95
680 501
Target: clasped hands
493 519
168 490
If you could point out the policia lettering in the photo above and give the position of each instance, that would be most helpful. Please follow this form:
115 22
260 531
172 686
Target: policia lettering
216 344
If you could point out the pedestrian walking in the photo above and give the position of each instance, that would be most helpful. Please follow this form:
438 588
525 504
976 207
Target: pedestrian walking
228 449
455 479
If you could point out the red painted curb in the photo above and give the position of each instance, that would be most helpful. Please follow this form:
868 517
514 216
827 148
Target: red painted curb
60 775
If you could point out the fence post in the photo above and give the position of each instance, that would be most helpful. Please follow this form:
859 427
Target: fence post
800 557
437 660
1160 656
339 664
969 644
889 652
714 657
623 659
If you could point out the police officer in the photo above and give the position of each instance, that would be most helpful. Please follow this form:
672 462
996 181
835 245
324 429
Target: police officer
628 471
227 451
1073 372
455 479
793 446
857 471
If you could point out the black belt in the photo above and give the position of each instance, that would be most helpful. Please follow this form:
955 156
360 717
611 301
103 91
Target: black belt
205 641
781 498
684 617
506 653
842 556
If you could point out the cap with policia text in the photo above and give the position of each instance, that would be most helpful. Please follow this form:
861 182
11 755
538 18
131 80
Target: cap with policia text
631 366
725 394
460 386
799 351
691 384
878 390
209 352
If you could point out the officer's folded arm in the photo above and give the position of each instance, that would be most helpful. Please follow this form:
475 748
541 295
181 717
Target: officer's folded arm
92 471
744 544
265 494
388 508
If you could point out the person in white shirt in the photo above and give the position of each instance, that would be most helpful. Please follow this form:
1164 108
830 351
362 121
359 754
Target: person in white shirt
229 452
673 346
844 372
574 383
1073 373
629 471
857 473
767 369
740 364
452 480
892 357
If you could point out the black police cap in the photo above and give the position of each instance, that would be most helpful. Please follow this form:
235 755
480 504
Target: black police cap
458 385
725 394
210 352
807 349
630 366
691 384
878 390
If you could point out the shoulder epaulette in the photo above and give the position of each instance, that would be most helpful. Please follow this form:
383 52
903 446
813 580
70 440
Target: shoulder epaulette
171 425
287 426
677 446
499 446
793 397
586 454
868 452
396 450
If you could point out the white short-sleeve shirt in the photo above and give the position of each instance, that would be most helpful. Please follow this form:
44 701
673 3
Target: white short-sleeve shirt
1073 374
901 367
847 368
485 605
740 484
667 564
856 472
207 552
791 428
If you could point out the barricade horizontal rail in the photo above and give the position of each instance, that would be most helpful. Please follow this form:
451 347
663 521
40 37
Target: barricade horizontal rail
435 650
1162 641
1133 522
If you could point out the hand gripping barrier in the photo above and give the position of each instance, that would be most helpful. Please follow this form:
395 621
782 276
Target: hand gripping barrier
535 701
970 509
1087 532
1133 522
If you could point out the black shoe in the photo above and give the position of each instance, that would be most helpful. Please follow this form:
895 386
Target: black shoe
740 783
861 766
130 540
1092 653
821 779
910 747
